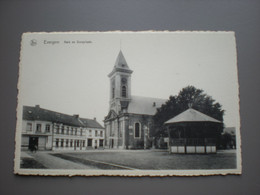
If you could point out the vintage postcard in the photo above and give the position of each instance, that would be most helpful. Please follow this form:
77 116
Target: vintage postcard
128 104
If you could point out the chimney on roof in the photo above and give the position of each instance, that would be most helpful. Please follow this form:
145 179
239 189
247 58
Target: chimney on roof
95 118
76 115
154 104
37 106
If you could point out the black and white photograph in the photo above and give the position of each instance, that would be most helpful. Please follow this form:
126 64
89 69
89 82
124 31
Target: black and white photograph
148 103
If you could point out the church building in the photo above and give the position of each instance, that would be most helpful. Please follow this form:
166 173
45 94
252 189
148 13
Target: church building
128 123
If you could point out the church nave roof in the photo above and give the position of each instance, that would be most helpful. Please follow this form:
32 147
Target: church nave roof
144 105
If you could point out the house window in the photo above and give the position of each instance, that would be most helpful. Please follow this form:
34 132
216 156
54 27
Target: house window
123 91
96 133
101 143
62 130
57 143
47 128
77 143
58 129
71 131
137 130
61 142
81 132
29 127
83 143
76 132
67 143
89 142
101 133
68 130
38 127
71 143
90 133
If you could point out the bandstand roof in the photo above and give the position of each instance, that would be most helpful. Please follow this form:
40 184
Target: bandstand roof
191 115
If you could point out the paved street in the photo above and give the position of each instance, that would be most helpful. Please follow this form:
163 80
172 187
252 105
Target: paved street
130 160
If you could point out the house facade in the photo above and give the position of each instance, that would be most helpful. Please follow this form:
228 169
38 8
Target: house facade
43 129
128 122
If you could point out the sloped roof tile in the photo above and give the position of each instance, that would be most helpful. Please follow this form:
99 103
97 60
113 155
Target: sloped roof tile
90 123
144 105
37 113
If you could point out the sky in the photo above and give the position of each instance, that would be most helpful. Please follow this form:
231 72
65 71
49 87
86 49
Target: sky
68 72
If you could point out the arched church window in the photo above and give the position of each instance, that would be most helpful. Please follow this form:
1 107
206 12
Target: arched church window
123 91
137 130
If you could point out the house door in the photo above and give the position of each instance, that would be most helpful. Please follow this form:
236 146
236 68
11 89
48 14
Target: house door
33 143
101 143
95 144
112 144
89 142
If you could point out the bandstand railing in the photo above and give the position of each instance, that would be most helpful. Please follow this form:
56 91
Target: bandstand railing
192 142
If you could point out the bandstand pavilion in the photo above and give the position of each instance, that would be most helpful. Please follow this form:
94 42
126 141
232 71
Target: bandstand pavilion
193 132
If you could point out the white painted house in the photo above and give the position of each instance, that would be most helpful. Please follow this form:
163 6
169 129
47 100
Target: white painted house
48 130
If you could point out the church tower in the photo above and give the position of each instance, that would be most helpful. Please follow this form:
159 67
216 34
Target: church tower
120 85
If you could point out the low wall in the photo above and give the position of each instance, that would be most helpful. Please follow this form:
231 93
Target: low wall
193 149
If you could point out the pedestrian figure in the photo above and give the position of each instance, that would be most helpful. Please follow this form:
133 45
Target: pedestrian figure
35 148
31 147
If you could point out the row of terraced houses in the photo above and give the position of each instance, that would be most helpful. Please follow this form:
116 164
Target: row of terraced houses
43 129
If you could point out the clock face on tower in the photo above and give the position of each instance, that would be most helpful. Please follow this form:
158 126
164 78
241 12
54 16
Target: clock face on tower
124 80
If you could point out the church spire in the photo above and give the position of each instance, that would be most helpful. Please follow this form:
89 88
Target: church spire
120 65
120 61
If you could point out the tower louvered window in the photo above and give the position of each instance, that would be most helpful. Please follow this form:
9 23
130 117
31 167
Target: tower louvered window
113 92
123 91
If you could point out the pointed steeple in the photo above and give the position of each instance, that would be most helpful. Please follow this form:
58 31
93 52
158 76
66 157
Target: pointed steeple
120 65
120 61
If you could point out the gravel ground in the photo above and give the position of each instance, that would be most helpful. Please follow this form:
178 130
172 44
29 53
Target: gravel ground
151 160
30 163
43 159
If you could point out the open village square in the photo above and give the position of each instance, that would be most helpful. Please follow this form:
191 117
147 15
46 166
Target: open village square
128 160
184 132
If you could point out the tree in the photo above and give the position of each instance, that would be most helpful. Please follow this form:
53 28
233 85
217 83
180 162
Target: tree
187 97
226 140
